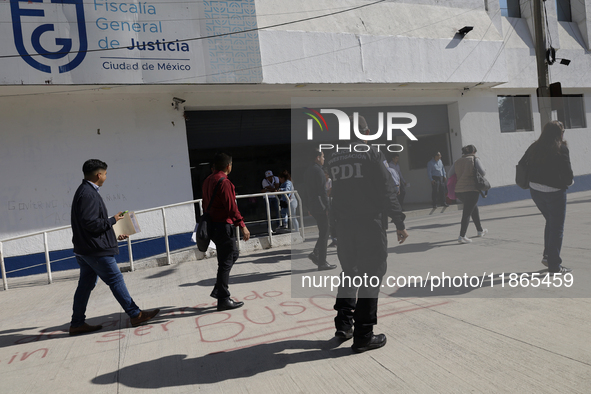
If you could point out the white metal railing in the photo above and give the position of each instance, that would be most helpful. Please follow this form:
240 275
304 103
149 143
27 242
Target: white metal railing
162 209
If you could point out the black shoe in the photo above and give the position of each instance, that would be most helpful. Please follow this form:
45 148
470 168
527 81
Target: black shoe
446 205
561 271
325 266
225 304
333 244
313 257
84 329
434 206
375 342
344 334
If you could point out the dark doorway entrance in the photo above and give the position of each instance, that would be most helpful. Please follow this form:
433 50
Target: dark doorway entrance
257 140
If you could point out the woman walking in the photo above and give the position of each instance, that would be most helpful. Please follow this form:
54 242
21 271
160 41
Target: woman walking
465 170
288 201
550 173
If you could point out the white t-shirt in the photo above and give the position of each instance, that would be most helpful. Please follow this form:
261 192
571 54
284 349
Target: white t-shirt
266 182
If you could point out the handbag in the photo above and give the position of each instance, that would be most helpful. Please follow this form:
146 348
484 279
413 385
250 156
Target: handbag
482 185
451 187
283 204
203 229
521 176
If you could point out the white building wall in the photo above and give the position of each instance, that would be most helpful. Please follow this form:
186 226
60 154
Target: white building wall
579 140
392 42
47 138
480 126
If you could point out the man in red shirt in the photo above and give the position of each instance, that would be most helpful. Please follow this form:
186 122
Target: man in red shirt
224 216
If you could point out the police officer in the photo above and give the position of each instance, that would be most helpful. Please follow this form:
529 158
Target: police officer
364 195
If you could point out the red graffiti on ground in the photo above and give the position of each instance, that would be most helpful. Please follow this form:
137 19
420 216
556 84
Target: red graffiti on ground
25 355
245 325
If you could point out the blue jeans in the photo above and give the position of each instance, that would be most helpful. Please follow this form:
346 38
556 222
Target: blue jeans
274 207
553 207
105 267
293 205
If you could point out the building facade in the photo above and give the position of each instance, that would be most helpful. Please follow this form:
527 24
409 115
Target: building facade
155 88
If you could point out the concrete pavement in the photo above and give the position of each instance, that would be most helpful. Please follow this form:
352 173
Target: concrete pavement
449 339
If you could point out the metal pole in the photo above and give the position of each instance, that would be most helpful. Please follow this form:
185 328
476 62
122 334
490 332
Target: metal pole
269 227
47 262
289 218
166 238
544 104
130 255
4 281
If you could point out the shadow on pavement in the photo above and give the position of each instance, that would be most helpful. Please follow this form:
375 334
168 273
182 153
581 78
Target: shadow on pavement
579 201
457 224
265 260
113 322
163 273
178 370
430 226
280 254
420 247
448 289
243 278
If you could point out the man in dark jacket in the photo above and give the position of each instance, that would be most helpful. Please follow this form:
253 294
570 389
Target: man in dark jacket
364 196
95 246
317 204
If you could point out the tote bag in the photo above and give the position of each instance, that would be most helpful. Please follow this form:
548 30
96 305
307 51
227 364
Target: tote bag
203 230
482 184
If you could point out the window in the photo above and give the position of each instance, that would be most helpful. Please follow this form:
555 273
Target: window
510 8
515 113
421 152
563 10
572 113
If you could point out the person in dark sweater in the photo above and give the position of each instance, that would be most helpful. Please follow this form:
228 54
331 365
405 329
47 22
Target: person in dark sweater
550 174
95 246
317 204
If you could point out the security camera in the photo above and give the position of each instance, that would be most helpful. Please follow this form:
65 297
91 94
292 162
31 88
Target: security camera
176 102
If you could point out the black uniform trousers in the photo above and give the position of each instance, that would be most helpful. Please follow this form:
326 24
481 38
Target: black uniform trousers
438 191
362 251
224 237
323 232
401 195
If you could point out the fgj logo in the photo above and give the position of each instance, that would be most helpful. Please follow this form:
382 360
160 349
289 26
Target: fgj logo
29 34
363 134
